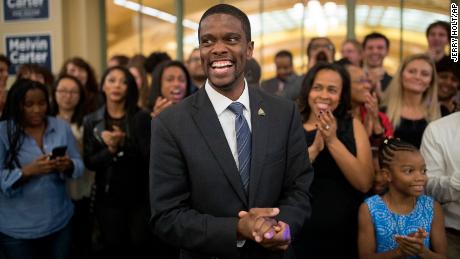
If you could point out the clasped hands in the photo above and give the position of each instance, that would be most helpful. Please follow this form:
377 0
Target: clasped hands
371 121
113 139
259 225
327 129
412 244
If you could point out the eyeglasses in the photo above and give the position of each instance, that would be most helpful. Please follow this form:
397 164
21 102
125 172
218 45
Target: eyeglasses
325 46
72 93
362 80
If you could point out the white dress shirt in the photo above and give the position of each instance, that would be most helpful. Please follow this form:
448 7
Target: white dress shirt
227 117
441 150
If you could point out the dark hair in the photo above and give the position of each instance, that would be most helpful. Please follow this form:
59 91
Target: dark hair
79 110
91 82
155 58
5 60
132 93
284 53
448 65
138 59
13 114
91 87
388 149
155 89
344 62
30 68
122 60
309 46
252 72
376 35
442 24
230 10
137 62
345 97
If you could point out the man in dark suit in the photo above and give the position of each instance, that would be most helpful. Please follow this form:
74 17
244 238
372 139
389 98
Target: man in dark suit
285 78
229 170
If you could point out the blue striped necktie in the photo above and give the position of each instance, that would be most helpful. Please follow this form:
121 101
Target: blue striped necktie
243 142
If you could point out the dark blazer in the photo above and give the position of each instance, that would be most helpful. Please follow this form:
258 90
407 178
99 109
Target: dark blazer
291 86
195 188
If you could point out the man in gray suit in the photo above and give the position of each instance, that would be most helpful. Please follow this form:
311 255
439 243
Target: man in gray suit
229 170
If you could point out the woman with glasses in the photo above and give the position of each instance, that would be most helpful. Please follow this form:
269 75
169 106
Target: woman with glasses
82 70
68 99
365 106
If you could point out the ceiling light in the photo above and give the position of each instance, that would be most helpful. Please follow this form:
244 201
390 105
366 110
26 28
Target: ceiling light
155 13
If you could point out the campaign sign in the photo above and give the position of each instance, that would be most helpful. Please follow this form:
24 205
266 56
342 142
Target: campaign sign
28 49
17 10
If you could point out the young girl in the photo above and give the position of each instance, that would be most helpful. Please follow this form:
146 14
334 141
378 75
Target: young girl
402 223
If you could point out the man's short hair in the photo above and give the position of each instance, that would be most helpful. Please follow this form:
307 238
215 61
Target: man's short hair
190 55
442 24
284 53
5 60
230 10
344 62
448 65
376 35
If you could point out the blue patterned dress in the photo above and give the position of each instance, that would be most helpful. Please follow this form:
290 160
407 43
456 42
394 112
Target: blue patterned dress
387 224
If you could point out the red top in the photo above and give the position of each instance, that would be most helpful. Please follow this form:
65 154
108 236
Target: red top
386 124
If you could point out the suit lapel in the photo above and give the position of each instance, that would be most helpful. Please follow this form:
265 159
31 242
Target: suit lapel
259 124
209 125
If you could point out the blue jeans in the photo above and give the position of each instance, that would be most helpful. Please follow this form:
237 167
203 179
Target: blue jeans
53 246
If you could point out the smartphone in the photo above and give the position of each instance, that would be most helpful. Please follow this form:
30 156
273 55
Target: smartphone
58 151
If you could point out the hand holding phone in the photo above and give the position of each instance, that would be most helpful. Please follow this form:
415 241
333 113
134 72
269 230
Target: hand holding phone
58 152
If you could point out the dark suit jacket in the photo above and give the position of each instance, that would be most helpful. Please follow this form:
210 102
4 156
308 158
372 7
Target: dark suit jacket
291 86
195 188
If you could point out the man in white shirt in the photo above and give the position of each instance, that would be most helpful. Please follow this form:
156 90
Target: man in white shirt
441 150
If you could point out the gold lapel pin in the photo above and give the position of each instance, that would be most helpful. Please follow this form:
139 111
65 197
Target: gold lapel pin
261 112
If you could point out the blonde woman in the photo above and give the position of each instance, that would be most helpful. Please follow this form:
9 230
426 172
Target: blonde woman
411 100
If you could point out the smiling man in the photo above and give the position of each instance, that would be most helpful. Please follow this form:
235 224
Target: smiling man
375 48
229 171
448 85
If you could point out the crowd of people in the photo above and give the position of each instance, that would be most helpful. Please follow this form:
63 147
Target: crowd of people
202 159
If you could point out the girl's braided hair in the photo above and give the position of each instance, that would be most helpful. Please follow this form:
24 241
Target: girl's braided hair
389 148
